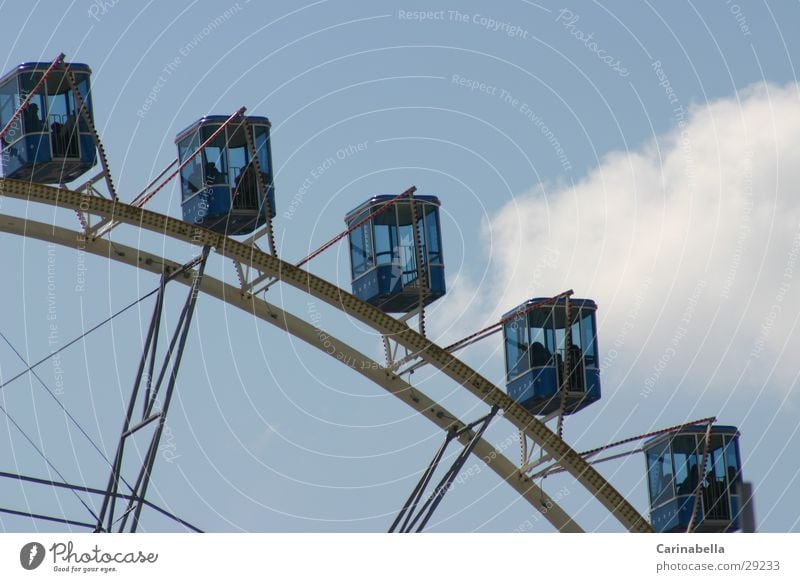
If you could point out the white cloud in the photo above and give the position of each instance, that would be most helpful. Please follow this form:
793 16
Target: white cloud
689 244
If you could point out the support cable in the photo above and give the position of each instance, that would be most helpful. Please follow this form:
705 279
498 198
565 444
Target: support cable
447 481
151 394
566 381
647 435
143 199
189 312
552 469
46 460
341 235
96 327
387 350
31 368
262 186
434 499
422 264
698 492
478 335
87 118
382 208
137 201
411 504
495 327
46 517
95 491
58 402
116 468
523 449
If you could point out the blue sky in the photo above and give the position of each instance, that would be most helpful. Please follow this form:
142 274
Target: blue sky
643 154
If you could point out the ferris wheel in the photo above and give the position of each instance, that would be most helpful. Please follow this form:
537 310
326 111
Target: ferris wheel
228 202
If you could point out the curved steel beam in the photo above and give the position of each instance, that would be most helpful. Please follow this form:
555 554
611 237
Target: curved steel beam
401 333
313 336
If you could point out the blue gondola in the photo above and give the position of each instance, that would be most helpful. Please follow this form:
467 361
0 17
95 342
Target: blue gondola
50 142
537 361
383 253
220 187
673 462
